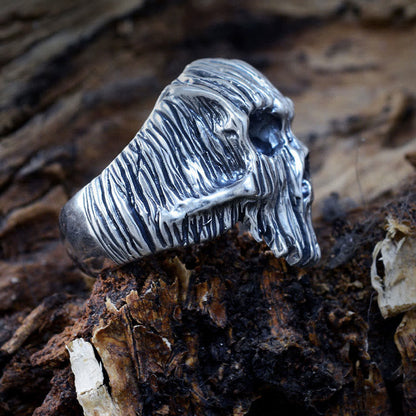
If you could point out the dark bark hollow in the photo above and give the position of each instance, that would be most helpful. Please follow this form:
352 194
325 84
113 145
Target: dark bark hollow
190 332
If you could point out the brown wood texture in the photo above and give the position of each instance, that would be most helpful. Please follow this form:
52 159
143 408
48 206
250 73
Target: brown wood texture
221 328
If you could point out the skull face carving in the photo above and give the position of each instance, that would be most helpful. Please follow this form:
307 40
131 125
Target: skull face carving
217 149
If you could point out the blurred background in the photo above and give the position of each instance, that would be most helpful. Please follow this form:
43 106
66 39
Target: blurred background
79 78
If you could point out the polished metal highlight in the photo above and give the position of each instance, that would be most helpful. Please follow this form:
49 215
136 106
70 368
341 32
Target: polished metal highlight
217 149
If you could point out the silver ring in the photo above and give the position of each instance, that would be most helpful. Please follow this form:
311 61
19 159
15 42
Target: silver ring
217 149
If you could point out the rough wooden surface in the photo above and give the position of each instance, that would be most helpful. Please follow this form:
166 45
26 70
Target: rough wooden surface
222 328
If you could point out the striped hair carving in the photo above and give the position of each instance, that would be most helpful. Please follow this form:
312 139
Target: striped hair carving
216 149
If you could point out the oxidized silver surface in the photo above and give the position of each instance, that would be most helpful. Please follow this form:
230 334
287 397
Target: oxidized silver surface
217 149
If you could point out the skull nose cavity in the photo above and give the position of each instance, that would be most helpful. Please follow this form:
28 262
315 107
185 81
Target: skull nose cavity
265 132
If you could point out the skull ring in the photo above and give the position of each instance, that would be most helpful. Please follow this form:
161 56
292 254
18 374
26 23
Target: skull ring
217 149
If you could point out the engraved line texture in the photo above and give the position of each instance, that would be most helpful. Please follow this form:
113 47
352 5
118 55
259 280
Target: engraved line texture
216 149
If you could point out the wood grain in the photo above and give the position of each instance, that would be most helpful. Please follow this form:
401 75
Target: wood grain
221 328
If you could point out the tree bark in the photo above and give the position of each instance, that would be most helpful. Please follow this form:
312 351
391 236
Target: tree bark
220 328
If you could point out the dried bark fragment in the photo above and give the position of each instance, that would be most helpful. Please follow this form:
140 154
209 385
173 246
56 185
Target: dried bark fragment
114 346
92 394
61 398
405 342
31 323
396 289
216 348
367 392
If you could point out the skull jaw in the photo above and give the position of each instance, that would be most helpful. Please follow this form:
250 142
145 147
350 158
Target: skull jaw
84 248
291 235
305 258
306 252
302 254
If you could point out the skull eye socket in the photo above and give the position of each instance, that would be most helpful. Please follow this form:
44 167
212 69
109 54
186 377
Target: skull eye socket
306 188
265 132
